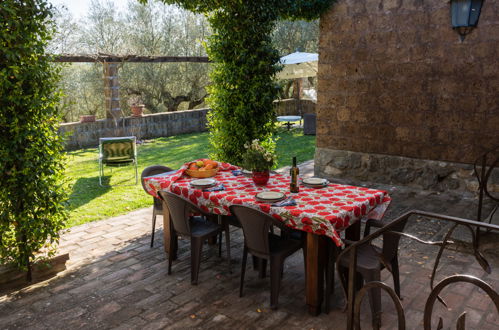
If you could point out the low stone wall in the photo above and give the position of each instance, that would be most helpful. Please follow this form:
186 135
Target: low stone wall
81 135
418 173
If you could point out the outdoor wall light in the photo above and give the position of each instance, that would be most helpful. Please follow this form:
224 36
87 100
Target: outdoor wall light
465 15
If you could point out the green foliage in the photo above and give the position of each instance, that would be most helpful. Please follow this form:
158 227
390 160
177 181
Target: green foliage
259 157
245 64
90 202
155 29
31 195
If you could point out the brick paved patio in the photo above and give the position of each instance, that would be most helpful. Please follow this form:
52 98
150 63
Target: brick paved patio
115 280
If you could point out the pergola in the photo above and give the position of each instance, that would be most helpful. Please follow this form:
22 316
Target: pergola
111 64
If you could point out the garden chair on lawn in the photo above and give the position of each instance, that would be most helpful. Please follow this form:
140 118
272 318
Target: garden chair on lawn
117 151
157 203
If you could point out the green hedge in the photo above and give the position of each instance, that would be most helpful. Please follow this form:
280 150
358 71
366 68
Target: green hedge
31 195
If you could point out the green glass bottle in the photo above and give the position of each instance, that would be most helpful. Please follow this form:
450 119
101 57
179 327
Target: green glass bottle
293 172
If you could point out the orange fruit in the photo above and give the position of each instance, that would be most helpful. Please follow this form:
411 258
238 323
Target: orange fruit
193 167
213 163
209 166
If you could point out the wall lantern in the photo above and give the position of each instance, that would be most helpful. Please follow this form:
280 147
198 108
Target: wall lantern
465 15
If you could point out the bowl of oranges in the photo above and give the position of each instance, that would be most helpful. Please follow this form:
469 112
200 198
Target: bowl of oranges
204 168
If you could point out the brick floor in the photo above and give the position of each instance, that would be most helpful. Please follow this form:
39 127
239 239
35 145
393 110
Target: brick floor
115 281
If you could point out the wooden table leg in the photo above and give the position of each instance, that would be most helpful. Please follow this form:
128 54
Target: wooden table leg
169 239
352 233
314 272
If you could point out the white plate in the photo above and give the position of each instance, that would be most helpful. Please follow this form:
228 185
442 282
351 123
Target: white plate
246 173
203 182
270 196
315 181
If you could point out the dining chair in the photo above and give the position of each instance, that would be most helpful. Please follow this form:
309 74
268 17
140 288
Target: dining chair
116 152
261 243
371 260
157 203
195 227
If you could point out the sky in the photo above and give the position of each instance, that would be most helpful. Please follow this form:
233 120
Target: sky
79 8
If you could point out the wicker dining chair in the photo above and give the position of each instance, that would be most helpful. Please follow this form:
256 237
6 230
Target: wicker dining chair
261 243
195 227
157 203
116 152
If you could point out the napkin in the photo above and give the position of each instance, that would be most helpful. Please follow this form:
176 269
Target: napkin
286 202
216 188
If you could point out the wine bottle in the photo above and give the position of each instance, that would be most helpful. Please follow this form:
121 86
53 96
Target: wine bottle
293 172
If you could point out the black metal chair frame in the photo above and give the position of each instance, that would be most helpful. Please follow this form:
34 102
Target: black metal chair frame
351 253
487 162
157 203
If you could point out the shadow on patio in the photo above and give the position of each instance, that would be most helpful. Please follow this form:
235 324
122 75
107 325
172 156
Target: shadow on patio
114 280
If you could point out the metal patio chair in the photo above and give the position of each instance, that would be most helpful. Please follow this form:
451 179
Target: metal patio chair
116 152
484 167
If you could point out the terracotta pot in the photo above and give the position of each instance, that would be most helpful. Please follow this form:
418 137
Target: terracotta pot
261 178
137 110
87 119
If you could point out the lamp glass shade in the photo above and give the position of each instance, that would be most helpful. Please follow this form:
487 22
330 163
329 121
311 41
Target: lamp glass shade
460 10
476 7
465 13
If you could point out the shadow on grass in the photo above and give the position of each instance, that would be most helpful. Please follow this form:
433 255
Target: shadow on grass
87 189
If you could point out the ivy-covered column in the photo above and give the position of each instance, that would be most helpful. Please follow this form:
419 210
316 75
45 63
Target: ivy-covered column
243 88
245 64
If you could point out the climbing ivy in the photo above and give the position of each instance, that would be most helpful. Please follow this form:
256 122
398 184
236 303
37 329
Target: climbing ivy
245 64
31 156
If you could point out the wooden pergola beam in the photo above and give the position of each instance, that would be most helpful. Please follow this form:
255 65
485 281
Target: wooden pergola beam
104 58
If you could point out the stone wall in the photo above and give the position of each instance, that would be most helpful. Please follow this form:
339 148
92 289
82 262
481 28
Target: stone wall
81 135
418 173
290 107
394 79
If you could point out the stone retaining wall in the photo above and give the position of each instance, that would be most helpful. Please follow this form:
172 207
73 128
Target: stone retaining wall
81 135
418 173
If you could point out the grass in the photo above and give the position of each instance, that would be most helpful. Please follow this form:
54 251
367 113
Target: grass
89 201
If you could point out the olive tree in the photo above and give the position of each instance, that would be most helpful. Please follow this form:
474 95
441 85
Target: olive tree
245 64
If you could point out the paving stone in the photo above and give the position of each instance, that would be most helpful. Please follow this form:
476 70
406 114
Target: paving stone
115 280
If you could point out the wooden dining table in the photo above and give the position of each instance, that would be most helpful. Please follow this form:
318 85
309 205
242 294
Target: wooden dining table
321 212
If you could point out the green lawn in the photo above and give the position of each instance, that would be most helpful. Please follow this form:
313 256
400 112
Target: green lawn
89 201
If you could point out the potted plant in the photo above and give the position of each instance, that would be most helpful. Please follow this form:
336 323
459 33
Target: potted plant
87 119
136 106
259 158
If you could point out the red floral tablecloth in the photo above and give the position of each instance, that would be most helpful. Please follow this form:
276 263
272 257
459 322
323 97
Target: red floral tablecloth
325 211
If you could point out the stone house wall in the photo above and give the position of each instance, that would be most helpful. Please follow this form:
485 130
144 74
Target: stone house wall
396 86
81 135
